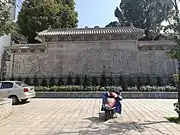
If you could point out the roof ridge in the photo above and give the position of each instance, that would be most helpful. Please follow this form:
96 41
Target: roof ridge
100 28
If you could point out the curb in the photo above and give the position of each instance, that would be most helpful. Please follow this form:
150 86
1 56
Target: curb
125 95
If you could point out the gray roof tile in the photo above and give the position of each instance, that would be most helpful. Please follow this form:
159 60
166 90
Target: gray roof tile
117 32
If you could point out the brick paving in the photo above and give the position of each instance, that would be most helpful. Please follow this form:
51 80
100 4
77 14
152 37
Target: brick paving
83 117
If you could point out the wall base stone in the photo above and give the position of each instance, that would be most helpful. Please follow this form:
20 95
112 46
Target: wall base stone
126 95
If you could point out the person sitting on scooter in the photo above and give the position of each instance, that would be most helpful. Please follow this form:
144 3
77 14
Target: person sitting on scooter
111 99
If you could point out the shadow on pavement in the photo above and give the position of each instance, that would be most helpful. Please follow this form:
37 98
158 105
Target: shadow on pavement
22 103
98 126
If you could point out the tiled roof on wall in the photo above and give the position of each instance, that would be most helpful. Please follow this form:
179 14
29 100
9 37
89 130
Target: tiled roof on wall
76 34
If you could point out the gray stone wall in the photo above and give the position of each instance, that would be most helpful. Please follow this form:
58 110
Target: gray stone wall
92 57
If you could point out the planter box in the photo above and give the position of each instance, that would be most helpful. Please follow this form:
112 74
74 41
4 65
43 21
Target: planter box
125 95
5 108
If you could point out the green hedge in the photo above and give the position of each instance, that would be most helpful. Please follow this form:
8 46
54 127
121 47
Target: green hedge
102 80
75 88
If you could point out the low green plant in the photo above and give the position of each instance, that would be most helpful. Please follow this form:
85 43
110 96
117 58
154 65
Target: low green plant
100 88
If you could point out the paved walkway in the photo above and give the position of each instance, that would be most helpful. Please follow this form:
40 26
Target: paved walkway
83 116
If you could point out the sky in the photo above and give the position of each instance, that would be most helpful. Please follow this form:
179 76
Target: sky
92 12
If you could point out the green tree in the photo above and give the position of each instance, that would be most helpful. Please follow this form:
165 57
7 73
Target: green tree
16 35
37 15
145 14
5 21
173 29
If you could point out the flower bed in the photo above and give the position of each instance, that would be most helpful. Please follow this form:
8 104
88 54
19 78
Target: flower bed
75 88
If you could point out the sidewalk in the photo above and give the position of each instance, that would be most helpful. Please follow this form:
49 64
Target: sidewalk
83 117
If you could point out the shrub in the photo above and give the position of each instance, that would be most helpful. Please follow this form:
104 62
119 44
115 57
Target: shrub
77 80
27 80
99 88
121 82
130 81
103 80
171 81
19 78
35 81
51 82
111 81
148 81
69 80
177 108
94 81
12 78
60 81
138 82
86 81
44 82
159 81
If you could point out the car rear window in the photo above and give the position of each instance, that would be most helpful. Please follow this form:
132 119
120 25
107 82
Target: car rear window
22 84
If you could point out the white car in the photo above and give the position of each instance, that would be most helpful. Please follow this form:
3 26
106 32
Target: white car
16 90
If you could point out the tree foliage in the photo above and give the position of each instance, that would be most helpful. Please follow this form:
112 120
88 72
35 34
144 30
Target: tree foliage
5 20
145 14
173 29
37 15
16 35
113 24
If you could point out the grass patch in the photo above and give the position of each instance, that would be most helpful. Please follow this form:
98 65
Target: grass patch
174 119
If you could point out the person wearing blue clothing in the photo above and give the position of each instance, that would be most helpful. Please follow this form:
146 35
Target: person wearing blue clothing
112 99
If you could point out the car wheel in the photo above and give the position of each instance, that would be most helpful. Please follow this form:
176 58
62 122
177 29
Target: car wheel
14 100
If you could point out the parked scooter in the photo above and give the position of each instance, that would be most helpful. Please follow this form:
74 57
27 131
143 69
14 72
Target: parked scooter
111 103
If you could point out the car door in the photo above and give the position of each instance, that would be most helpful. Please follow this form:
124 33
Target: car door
6 89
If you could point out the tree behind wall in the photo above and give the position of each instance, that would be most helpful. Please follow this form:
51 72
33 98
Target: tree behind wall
145 14
37 15
5 21
173 29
